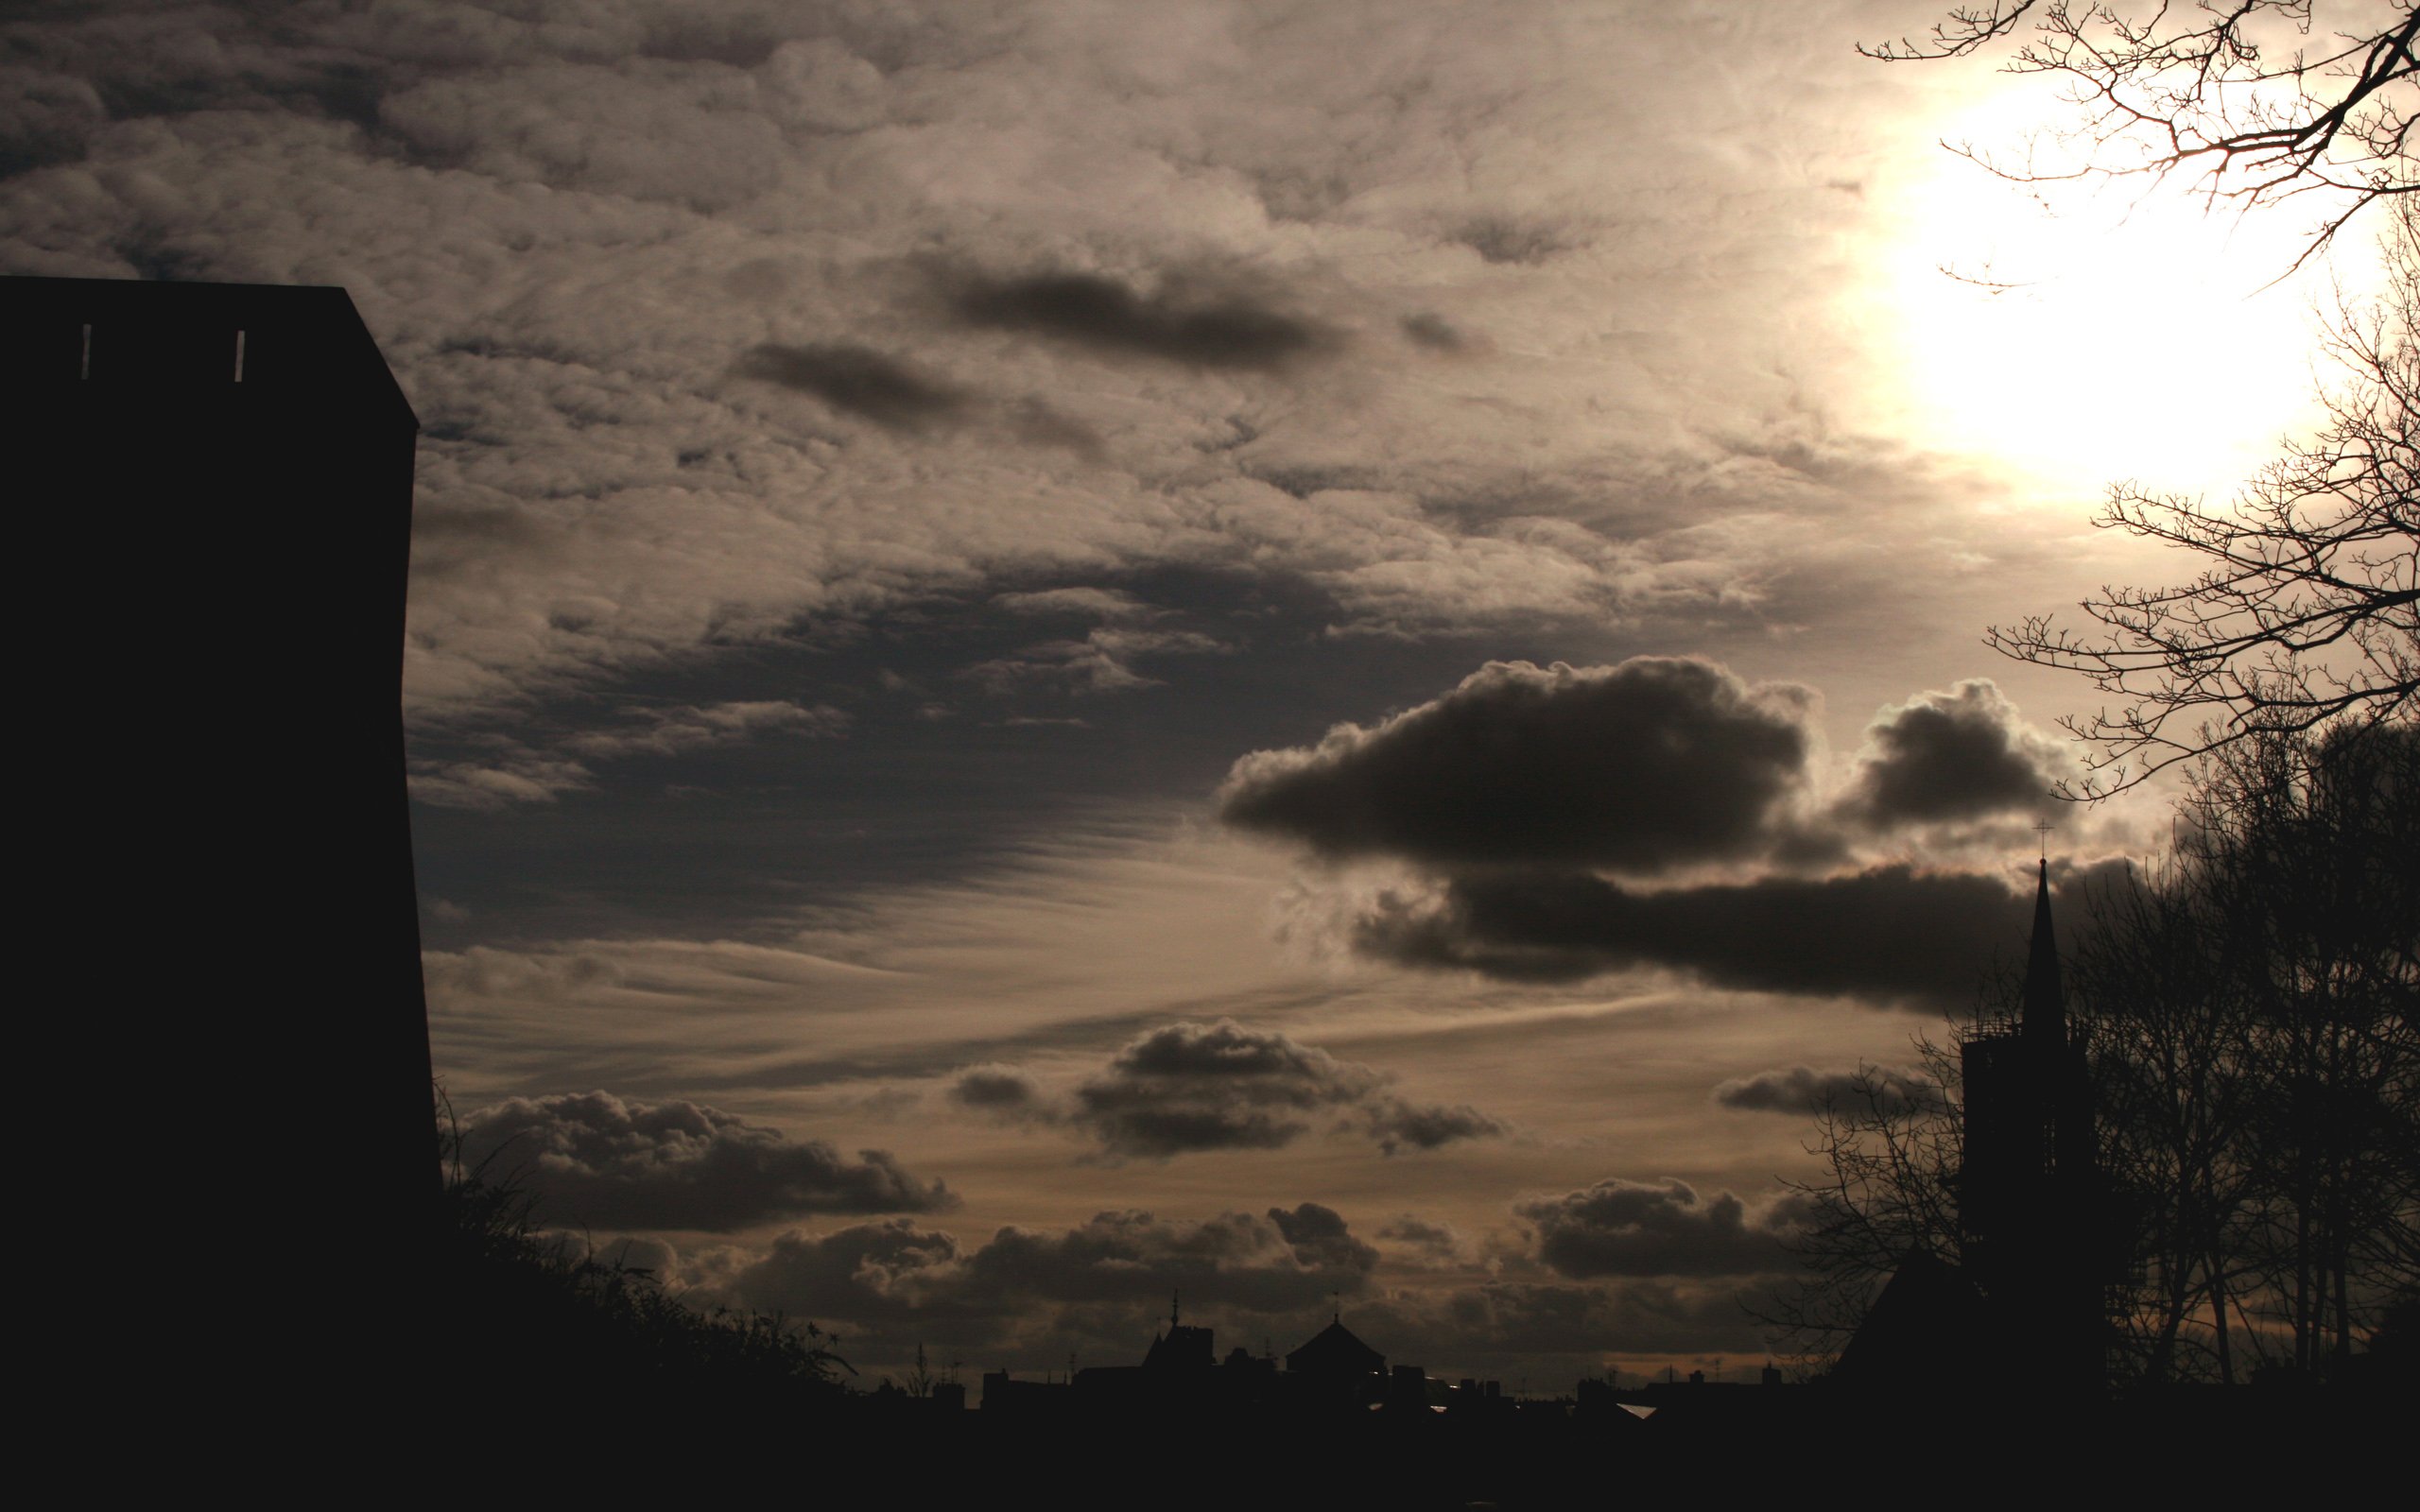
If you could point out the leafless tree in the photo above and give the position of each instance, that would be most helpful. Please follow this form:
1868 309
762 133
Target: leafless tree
2306 611
2254 102
2255 1013
2303 854
2173 1092
2251 1012
1890 1150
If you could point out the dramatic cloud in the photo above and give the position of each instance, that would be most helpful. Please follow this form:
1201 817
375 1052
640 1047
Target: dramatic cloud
1898 934
1282 1260
1235 1259
857 380
859 1274
690 244
767 352
1432 1246
1211 1086
1640 767
1319 1237
1104 1285
996 1089
1397 1125
1942 757
1635 1229
1194 1087
1200 329
1805 1092
596 1159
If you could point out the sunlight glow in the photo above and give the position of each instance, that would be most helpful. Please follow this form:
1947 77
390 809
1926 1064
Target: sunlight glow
2092 337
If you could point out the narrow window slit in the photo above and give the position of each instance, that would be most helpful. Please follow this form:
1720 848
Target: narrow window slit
239 356
84 369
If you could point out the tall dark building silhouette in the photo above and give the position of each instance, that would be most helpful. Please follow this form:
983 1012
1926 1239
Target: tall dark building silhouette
219 478
2029 1193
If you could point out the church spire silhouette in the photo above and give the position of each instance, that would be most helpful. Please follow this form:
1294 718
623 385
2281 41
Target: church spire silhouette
2045 1006
2028 1187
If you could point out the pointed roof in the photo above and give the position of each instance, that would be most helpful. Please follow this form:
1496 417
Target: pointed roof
2046 1009
1335 1350
1183 1348
1929 1328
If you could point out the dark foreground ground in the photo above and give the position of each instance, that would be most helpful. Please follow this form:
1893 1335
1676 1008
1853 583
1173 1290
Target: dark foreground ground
2235 1449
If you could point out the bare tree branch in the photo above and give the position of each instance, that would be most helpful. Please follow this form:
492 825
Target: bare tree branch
2306 611
2252 102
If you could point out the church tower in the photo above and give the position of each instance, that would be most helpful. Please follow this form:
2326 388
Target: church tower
2029 1190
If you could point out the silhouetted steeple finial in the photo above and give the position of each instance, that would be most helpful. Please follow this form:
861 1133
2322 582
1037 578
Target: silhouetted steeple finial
2046 1009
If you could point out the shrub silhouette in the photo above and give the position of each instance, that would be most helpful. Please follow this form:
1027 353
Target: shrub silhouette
525 1314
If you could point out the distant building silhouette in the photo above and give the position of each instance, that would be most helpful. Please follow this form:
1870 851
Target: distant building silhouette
1181 1348
225 473
1334 1367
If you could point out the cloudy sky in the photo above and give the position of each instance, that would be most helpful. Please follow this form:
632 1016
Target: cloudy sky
1326 653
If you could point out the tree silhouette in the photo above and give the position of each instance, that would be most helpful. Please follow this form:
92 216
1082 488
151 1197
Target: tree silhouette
2252 1011
1890 1146
2307 610
2253 101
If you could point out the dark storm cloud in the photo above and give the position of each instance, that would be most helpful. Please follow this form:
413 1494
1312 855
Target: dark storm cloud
1636 1228
1321 1238
1939 757
1268 1261
1226 330
1397 1125
1434 331
857 380
597 1160
1640 767
1428 1245
1212 1086
996 1088
1234 1259
1101 1286
1802 1092
868 1272
1894 933
1194 1087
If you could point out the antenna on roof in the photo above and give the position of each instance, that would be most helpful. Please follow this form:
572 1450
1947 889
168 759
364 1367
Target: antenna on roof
1175 1306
